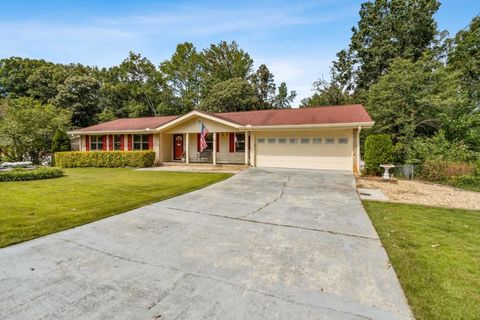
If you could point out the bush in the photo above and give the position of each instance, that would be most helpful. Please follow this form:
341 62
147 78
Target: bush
441 171
109 159
467 182
378 150
20 174
438 147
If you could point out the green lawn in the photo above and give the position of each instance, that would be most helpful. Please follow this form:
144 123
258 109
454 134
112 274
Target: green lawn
35 208
436 255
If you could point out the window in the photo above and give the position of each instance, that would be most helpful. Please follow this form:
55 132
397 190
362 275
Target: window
209 140
260 140
342 140
116 142
271 140
292 140
96 143
329 141
305 140
140 142
239 142
282 140
317 140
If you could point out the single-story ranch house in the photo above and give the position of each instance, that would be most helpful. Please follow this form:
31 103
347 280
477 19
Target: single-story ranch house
311 138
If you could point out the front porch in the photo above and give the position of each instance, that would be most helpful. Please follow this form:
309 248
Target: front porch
222 148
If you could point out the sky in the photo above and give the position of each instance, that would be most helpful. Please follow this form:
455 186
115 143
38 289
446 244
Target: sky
297 40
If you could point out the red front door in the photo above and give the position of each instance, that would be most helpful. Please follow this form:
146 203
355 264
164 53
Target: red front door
177 146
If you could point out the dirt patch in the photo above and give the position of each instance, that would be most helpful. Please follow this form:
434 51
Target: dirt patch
410 191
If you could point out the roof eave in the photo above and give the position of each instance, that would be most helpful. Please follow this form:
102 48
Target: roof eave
313 126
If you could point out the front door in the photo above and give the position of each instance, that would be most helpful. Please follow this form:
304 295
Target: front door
177 146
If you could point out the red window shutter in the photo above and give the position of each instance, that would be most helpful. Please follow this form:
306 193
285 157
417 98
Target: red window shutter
150 142
198 142
218 142
249 143
104 142
130 142
87 143
122 142
110 142
231 140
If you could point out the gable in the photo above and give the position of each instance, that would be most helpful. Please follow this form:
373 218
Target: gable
193 125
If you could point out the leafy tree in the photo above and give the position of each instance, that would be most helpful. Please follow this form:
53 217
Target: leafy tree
387 29
14 73
44 81
224 61
80 94
60 142
264 83
413 100
464 57
284 99
182 74
234 94
326 94
27 129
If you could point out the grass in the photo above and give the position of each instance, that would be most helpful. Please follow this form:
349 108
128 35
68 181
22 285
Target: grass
436 255
35 208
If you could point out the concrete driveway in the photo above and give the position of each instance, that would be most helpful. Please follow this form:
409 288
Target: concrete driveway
265 244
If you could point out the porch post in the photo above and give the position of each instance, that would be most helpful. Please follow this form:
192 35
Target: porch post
246 147
214 151
187 146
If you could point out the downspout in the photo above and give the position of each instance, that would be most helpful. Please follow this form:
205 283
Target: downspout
358 150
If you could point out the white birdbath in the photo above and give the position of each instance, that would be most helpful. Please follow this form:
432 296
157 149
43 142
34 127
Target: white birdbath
386 174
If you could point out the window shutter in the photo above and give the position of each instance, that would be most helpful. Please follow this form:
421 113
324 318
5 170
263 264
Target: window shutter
110 142
87 143
231 142
122 142
104 143
130 142
150 142
218 142
198 142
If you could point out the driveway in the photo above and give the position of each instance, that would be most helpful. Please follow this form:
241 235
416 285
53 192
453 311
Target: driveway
264 244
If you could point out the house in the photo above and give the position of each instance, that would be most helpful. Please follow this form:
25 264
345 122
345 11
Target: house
311 138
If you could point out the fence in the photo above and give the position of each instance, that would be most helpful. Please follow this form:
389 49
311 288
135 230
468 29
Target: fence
407 171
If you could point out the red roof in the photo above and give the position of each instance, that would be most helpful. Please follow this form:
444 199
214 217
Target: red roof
300 116
313 115
130 124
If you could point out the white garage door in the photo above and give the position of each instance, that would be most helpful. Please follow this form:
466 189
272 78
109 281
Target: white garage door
330 152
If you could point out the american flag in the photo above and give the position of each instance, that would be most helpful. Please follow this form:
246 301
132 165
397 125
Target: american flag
203 138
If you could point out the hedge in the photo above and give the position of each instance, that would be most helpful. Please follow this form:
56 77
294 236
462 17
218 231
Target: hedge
378 150
109 159
20 174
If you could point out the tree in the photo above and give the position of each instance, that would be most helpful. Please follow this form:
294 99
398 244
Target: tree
182 74
387 29
264 83
284 99
234 94
464 57
413 99
60 142
44 81
224 61
80 95
27 129
326 94
14 73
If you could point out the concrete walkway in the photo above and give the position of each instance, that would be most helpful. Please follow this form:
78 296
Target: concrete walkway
264 244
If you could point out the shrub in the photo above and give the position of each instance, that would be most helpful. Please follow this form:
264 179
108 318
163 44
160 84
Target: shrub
20 174
110 159
378 150
441 171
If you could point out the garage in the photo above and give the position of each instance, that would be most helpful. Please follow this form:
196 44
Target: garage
329 150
